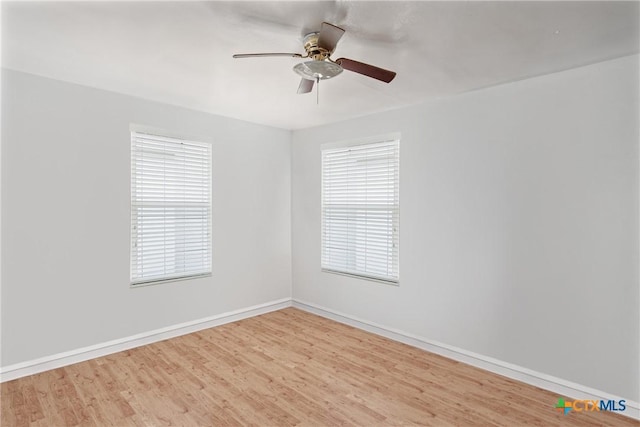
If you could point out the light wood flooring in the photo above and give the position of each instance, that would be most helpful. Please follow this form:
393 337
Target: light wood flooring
281 369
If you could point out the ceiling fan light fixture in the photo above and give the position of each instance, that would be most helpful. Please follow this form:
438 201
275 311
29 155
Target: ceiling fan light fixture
317 70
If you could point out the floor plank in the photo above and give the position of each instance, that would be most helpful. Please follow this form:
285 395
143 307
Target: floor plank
286 368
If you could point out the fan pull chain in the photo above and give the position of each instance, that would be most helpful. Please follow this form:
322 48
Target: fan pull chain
317 90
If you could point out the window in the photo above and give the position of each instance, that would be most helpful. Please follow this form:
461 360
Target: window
360 209
170 208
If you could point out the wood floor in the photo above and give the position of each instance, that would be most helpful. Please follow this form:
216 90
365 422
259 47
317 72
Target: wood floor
283 368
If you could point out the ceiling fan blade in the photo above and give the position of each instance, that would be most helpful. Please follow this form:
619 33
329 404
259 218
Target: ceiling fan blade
366 69
305 86
329 36
260 55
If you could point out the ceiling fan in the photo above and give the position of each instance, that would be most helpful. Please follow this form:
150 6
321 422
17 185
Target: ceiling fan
319 46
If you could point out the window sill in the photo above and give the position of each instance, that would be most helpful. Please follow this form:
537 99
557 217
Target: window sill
363 277
173 279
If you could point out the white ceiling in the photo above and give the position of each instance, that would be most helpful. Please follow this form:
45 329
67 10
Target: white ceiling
181 52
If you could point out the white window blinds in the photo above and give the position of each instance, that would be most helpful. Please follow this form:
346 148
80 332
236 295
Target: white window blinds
360 210
170 208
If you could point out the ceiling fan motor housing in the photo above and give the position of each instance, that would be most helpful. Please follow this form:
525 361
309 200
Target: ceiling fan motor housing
314 51
321 68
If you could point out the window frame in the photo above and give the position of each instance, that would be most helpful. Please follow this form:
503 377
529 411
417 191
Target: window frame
155 132
390 137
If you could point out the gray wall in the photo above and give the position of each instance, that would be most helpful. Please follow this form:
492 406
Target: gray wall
65 218
518 224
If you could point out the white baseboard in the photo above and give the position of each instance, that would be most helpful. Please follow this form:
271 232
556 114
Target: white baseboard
557 385
23 369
